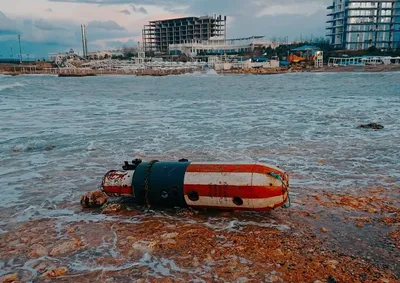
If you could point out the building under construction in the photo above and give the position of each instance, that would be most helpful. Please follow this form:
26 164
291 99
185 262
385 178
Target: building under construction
158 35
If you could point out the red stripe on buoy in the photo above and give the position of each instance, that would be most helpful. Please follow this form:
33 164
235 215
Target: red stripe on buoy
228 191
118 190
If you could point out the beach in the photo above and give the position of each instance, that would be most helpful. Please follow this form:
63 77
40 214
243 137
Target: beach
59 136
48 69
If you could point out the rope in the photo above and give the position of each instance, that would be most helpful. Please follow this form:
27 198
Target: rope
277 176
146 182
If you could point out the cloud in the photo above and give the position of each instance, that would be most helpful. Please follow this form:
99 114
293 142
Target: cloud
44 25
137 2
7 26
117 44
38 50
290 8
176 10
142 10
107 25
126 12
138 10
267 17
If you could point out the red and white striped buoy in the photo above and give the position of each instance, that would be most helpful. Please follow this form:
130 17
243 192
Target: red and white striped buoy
254 187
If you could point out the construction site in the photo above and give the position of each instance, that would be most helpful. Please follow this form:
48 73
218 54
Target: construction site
190 44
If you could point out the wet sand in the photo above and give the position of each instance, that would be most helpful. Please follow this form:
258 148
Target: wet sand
323 237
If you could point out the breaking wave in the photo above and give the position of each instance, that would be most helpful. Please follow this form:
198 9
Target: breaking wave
10 86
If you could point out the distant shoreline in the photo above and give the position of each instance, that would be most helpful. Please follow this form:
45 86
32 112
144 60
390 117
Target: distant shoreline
6 69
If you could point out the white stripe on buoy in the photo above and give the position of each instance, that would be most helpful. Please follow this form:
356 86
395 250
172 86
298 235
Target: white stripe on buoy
228 202
232 179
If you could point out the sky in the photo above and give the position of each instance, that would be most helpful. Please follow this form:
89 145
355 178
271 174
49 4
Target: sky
54 25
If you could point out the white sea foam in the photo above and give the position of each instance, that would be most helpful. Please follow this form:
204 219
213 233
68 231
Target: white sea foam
206 73
10 86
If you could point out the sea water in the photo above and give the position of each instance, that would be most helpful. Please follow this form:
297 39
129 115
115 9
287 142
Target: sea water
291 120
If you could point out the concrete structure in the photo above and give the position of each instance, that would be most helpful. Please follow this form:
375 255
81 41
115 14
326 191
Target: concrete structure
65 59
99 55
360 24
59 58
227 62
319 59
217 46
363 61
158 35
84 42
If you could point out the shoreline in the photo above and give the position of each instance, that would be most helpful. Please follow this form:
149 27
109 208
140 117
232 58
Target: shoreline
5 70
321 238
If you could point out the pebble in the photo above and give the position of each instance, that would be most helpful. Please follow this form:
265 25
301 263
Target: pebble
324 230
9 278
38 251
195 262
273 278
278 252
374 126
41 267
56 272
66 247
169 242
143 247
169 235
50 148
332 262
131 239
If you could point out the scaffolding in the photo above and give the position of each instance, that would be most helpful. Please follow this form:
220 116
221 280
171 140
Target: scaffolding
158 35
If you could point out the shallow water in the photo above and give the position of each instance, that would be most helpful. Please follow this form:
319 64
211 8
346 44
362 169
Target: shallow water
305 123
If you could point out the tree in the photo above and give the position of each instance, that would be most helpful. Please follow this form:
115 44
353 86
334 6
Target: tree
128 51
183 58
373 50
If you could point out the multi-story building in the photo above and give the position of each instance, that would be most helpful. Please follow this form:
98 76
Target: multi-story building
158 35
220 46
360 24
